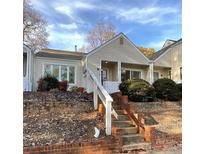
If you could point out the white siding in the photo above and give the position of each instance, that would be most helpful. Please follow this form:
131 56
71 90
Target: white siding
172 59
40 61
114 51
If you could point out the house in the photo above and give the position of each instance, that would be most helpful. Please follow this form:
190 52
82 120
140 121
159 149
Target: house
104 68
114 61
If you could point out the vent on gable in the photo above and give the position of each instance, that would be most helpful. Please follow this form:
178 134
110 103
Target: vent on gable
121 41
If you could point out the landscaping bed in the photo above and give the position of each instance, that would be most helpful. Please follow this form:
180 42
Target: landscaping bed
167 114
59 117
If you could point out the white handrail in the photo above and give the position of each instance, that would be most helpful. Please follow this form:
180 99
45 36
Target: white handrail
98 90
100 87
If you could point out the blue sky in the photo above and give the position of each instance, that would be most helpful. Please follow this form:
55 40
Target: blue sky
147 23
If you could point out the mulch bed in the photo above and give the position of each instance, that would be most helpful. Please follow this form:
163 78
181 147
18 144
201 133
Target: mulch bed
166 115
59 117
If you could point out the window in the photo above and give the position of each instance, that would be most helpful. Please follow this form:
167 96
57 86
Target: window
63 73
156 76
60 72
104 74
47 69
71 74
130 74
56 71
127 74
180 73
135 74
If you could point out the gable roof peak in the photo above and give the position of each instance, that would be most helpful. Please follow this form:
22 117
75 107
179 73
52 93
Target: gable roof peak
163 50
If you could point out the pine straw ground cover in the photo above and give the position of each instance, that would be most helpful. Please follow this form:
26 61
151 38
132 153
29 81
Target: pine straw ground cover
167 114
59 117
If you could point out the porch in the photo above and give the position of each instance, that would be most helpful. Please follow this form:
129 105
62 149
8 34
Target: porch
27 68
113 73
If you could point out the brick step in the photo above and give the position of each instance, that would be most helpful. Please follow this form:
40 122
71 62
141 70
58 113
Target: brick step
120 123
128 130
121 112
137 146
123 117
132 138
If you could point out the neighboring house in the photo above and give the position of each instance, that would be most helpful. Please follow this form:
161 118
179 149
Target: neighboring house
116 60
169 58
28 68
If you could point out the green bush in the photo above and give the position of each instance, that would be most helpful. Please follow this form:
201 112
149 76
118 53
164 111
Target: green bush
124 87
138 90
179 86
166 89
74 89
47 83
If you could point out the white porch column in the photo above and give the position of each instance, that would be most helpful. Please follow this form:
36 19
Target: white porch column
151 72
95 97
119 71
108 126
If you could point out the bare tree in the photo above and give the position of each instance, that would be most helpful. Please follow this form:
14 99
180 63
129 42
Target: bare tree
34 28
101 33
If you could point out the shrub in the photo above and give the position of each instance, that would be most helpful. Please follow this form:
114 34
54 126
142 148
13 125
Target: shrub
77 89
124 87
74 89
63 85
179 86
47 83
138 90
166 89
81 89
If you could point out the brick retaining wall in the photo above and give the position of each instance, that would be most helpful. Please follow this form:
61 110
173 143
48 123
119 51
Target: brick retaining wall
108 146
161 141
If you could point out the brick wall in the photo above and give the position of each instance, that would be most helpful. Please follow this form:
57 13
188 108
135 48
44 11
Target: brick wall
109 145
160 141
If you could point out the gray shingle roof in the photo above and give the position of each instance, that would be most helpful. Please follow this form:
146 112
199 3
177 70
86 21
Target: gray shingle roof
60 54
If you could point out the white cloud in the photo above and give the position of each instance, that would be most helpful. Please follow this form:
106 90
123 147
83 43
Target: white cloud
50 27
65 10
67 41
68 26
83 5
154 15
70 11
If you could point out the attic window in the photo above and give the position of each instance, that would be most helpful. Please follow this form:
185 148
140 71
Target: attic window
121 40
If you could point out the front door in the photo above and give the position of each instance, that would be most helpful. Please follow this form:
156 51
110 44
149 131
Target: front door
104 75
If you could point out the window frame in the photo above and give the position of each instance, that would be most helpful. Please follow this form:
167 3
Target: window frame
61 64
136 70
